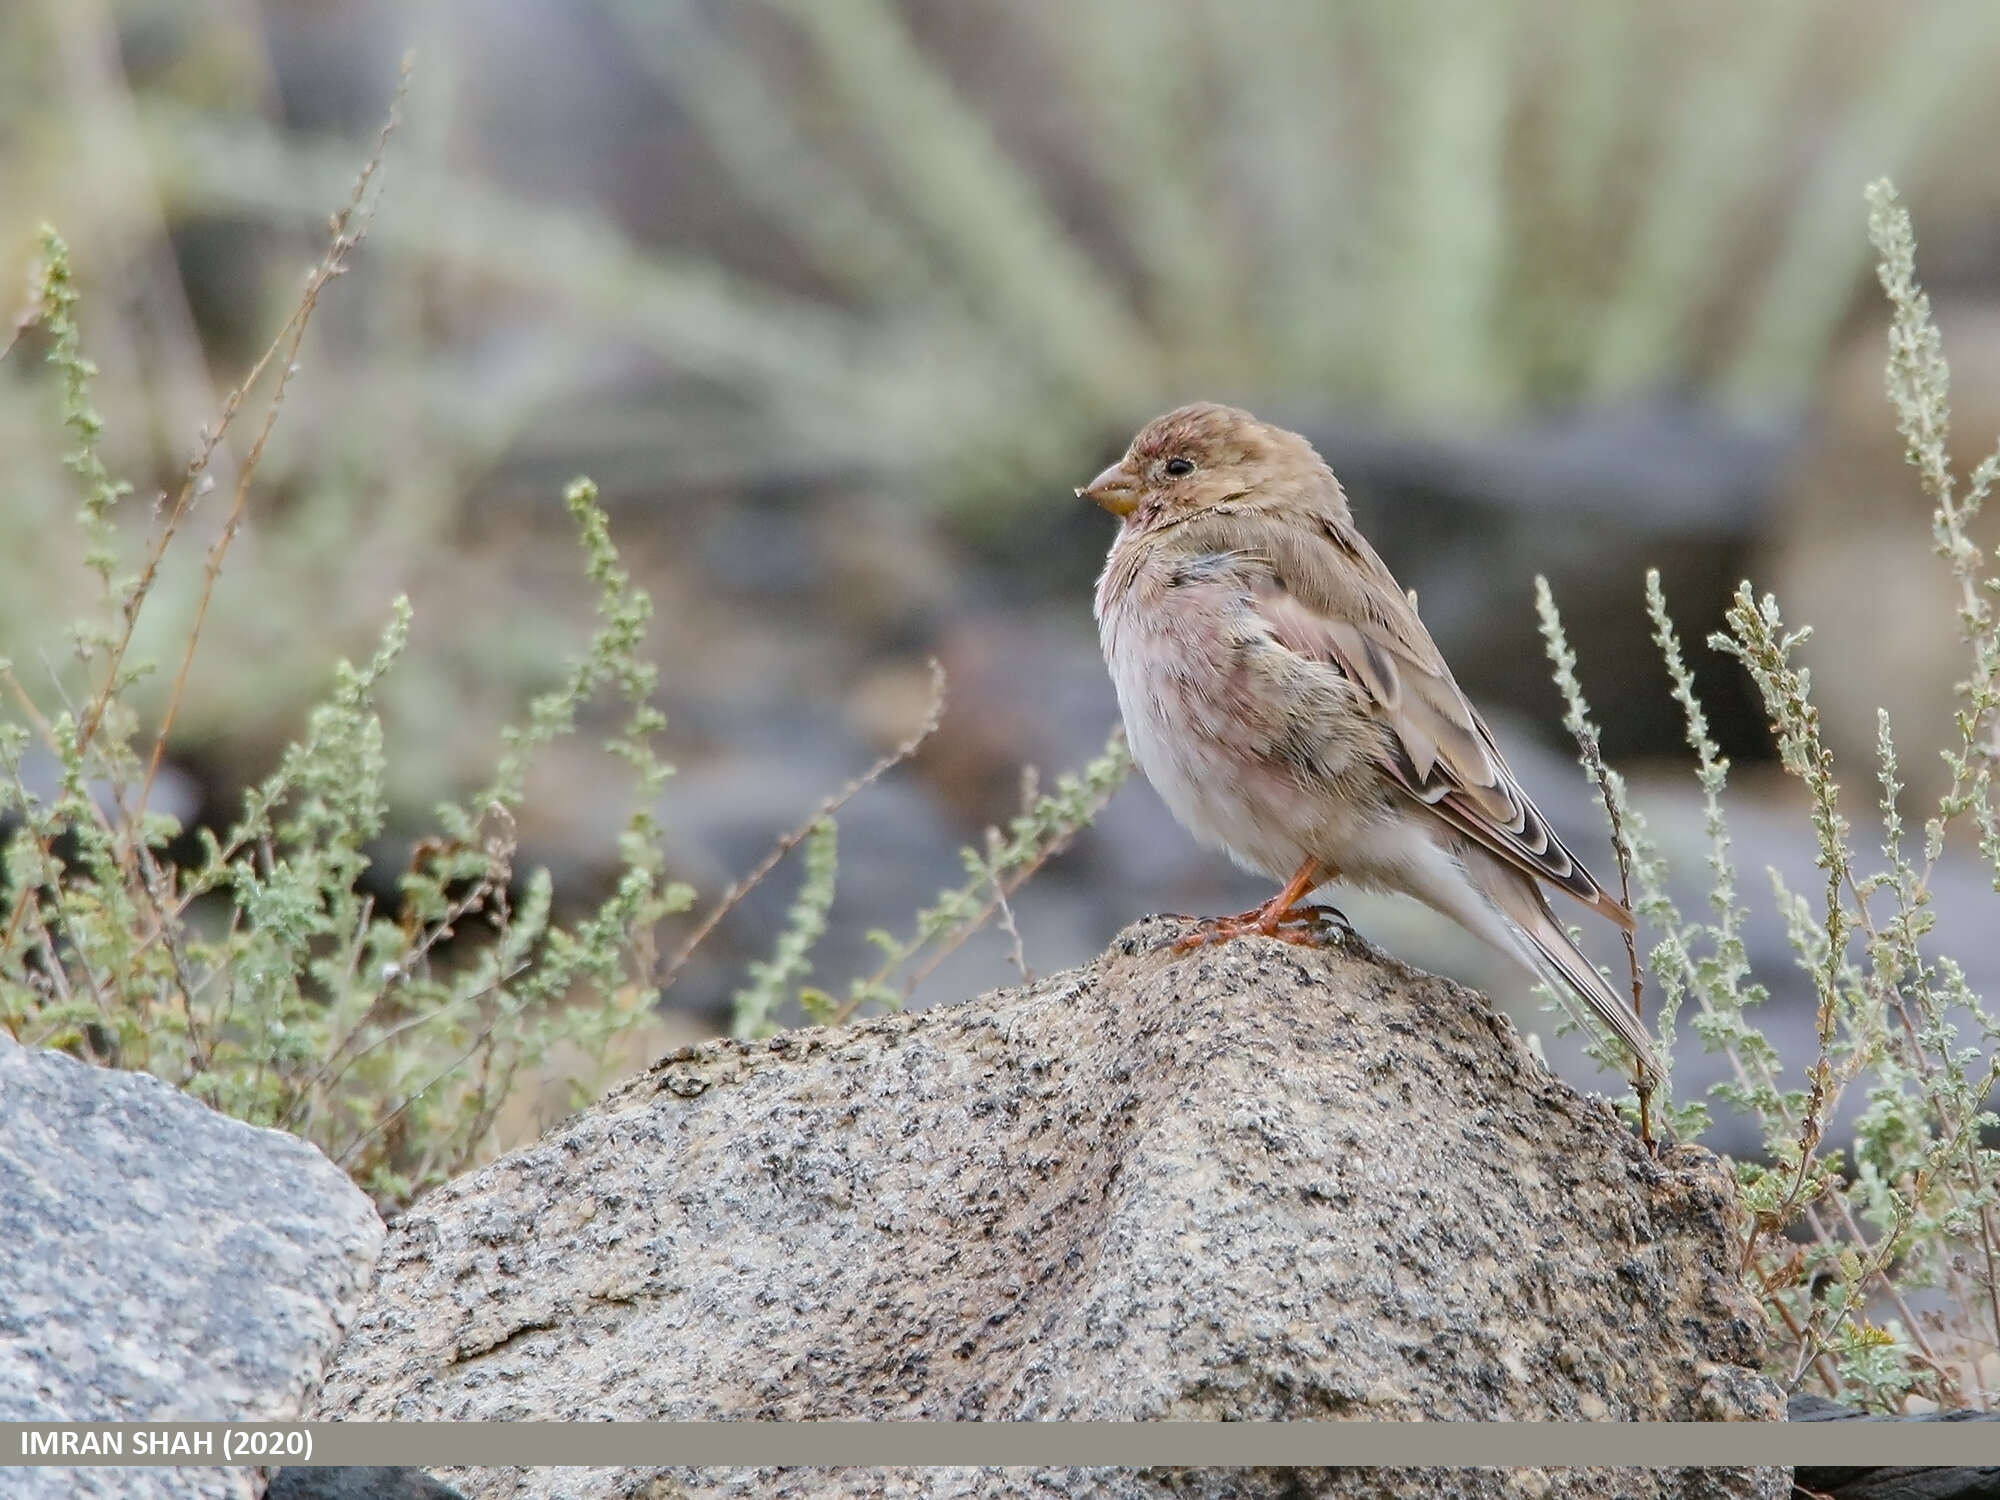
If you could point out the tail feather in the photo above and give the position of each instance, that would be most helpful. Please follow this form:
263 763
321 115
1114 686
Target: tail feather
1547 950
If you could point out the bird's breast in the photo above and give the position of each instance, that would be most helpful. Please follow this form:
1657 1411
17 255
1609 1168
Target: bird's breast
1243 742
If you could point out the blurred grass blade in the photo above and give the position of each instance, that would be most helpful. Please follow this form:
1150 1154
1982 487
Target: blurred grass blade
1018 260
1936 57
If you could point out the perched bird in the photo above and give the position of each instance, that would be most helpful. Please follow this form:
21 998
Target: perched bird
1281 694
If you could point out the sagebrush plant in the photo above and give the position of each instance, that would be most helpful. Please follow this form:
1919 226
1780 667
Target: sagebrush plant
1042 829
258 972
1448 217
1879 1264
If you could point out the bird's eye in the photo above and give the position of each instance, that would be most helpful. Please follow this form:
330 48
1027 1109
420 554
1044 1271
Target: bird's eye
1180 467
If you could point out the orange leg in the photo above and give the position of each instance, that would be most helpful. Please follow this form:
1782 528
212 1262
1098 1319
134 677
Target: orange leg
1273 918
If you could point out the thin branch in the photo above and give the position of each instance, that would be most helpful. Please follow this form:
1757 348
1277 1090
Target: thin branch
733 897
349 228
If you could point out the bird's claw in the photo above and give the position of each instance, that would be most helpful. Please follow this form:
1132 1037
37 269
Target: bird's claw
1305 926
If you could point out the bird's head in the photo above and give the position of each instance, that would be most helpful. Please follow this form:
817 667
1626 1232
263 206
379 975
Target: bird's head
1197 457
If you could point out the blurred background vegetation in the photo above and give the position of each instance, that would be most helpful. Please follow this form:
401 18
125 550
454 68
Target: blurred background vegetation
837 299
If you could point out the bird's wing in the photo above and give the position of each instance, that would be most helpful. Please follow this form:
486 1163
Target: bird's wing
1328 597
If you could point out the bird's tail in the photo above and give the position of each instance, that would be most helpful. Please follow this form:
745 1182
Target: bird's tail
1548 951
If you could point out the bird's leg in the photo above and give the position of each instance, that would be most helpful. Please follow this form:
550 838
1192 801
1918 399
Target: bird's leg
1274 918
1272 914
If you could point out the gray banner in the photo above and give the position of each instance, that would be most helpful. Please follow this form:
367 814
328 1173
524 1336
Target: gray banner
1542 1444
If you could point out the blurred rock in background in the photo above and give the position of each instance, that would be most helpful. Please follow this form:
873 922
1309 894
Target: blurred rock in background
838 298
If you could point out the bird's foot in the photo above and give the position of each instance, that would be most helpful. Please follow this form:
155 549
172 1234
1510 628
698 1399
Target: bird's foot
1307 926
1322 924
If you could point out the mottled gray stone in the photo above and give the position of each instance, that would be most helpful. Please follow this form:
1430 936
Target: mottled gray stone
358 1483
161 1261
967 1483
1254 1181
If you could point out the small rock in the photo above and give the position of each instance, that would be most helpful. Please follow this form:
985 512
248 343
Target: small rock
160 1261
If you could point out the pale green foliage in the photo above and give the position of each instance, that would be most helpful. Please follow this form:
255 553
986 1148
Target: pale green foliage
1040 831
756 1003
1912 1208
1576 719
56 310
1043 829
258 974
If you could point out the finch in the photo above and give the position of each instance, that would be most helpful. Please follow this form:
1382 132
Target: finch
1284 699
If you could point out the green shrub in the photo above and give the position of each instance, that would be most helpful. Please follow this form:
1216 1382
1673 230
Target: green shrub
1846 1241
259 973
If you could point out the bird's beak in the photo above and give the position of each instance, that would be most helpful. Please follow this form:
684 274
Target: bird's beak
1115 489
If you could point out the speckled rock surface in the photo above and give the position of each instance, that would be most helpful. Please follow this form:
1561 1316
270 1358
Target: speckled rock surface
952 1483
1254 1181
160 1261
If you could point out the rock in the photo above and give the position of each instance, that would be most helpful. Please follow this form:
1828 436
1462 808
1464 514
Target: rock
1253 1182
951 1483
1892 1483
1807 1407
357 1482
1680 467
161 1261
1977 1482
174 793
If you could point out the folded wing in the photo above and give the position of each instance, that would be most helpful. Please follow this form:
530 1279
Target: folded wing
1355 617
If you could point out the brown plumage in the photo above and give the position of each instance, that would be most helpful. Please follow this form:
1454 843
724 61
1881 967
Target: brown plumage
1283 697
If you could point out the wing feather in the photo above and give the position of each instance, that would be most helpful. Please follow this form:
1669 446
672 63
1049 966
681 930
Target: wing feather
1327 596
